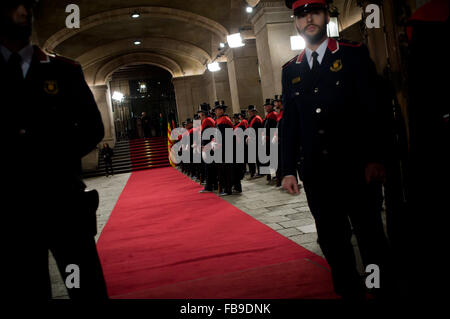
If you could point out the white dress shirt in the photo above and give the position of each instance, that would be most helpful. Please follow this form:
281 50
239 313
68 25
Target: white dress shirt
27 56
320 51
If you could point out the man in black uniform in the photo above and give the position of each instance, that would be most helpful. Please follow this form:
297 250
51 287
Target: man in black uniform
225 170
255 122
276 139
332 129
49 113
270 121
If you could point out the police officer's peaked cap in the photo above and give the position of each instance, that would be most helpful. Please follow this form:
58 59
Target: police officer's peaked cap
269 102
304 6
16 3
236 115
252 108
243 113
196 117
277 98
188 121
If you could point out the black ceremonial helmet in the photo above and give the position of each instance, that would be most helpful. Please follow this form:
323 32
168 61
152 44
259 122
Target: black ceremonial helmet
218 105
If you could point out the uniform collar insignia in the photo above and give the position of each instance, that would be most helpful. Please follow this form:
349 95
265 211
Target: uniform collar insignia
300 57
41 55
333 45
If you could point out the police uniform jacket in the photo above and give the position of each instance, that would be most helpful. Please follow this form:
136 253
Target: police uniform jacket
51 122
330 120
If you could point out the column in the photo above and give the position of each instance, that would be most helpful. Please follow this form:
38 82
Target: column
103 100
273 26
243 74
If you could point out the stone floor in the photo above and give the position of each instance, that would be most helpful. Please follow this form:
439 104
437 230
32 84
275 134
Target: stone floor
287 214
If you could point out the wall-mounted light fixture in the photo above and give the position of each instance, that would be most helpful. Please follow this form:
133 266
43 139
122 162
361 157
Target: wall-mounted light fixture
135 15
214 67
137 42
249 9
297 43
117 96
235 40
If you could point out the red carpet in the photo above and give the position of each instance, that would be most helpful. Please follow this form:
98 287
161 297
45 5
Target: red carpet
165 240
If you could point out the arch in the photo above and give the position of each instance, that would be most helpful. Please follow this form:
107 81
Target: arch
161 47
117 62
117 15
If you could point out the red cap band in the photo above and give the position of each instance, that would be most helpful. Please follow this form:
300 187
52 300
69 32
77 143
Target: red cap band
300 3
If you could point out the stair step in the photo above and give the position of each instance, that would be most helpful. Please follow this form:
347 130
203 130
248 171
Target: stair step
135 155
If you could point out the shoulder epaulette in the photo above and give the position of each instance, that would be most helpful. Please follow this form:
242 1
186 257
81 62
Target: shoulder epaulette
290 61
353 44
64 59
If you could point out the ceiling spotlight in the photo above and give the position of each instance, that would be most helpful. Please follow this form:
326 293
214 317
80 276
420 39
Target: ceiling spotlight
135 15
137 42
249 9
235 40
222 45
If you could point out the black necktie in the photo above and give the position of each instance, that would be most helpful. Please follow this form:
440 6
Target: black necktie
316 65
15 68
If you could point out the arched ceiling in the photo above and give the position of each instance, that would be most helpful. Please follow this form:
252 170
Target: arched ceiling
180 36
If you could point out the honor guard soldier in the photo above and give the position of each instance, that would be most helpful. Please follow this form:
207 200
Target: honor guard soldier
49 114
239 144
255 122
210 169
331 128
224 169
190 133
243 118
278 101
270 121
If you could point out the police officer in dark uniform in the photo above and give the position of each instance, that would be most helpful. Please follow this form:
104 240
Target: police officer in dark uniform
255 122
49 113
332 128
270 121
225 170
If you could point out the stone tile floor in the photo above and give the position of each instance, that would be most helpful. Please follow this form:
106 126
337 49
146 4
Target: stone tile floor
287 214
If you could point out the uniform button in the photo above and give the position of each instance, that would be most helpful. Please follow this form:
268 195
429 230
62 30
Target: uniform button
325 152
318 110
337 83
22 132
316 90
297 93
321 132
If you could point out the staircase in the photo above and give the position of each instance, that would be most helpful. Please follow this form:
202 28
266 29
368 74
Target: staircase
135 155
